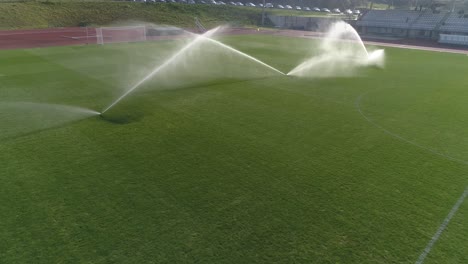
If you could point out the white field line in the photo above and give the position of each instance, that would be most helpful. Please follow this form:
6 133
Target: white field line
459 201
394 45
414 47
433 151
442 227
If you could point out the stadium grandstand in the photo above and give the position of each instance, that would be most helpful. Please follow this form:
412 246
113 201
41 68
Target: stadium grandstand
449 26
455 23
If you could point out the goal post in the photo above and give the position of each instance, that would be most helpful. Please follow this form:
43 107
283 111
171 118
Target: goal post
99 38
106 35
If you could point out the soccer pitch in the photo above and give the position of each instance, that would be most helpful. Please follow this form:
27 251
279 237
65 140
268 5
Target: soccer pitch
200 168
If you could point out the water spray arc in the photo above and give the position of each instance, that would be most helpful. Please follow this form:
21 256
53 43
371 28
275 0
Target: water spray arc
198 38
244 55
341 51
162 66
21 117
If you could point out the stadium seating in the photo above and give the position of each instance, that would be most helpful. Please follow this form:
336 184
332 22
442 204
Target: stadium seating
389 18
455 23
428 20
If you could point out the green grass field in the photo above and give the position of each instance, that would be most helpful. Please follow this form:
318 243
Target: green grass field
234 169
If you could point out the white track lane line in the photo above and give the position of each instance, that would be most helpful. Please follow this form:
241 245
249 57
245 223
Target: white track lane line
40 32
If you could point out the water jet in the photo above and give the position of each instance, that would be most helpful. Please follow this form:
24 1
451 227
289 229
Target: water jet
340 52
26 117
179 60
160 67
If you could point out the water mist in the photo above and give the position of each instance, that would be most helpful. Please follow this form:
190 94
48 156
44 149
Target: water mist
340 53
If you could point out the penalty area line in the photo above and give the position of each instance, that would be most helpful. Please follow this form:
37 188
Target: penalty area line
357 105
442 227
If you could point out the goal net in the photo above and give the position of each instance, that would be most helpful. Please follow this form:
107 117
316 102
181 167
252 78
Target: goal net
120 34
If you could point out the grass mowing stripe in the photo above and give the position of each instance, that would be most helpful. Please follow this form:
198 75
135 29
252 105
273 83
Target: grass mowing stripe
442 227
368 119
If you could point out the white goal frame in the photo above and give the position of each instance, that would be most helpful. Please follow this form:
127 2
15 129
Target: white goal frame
120 34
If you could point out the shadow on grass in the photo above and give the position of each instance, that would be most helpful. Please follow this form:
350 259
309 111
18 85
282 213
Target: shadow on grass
122 119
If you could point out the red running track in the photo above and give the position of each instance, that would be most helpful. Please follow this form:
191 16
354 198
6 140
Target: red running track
34 38
21 39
